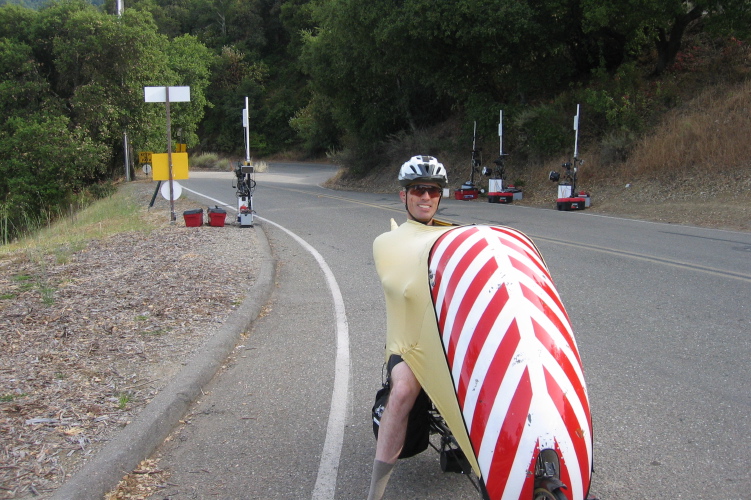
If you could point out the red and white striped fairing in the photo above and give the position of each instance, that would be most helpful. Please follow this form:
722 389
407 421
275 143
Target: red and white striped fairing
513 359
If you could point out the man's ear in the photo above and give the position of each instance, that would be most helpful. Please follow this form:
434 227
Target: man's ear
403 196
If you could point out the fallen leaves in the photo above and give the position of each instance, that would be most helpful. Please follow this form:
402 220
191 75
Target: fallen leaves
141 483
86 344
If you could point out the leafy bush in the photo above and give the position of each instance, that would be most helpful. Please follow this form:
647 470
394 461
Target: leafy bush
102 189
211 161
359 157
38 181
615 147
315 126
623 100
543 130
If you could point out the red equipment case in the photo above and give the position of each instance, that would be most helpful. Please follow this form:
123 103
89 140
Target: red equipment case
217 216
193 218
500 197
466 194
576 203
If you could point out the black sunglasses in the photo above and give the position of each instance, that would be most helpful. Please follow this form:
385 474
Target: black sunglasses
421 189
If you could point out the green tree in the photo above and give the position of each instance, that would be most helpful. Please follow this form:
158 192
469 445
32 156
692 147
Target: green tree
234 78
44 161
189 62
71 83
215 23
348 67
23 90
98 64
16 22
388 67
663 23
101 64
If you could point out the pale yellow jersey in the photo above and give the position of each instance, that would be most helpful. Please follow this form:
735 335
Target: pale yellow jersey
401 259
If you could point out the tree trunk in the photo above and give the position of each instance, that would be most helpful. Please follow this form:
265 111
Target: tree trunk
668 46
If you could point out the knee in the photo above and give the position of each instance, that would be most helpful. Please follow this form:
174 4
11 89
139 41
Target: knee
403 392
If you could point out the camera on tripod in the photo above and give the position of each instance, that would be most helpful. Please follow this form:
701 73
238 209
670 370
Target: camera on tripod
568 175
241 170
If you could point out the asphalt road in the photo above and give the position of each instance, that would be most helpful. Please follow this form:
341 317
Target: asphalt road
661 314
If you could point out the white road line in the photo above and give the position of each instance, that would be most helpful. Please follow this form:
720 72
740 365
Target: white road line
325 487
210 198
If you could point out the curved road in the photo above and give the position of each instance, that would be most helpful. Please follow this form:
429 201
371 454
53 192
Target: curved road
661 314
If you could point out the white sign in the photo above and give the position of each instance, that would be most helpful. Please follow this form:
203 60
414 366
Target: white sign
159 94
177 190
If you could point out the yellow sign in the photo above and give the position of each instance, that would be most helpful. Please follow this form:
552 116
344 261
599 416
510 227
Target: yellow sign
160 165
144 157
181 148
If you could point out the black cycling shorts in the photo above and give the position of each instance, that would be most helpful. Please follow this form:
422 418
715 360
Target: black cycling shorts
418 426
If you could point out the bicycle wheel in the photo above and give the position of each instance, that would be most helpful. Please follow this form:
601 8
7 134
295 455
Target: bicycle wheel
543 494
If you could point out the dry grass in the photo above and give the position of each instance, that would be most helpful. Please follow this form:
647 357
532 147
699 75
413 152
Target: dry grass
209 161
712 132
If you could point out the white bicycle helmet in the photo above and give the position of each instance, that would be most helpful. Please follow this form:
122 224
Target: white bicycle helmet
423 168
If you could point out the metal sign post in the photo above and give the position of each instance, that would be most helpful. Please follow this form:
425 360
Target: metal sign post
576 137
169 157
246 125
495 184
500 132
165 95
576 152
126 154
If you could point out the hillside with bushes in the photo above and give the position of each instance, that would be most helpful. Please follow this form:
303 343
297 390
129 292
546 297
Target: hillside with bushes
687 159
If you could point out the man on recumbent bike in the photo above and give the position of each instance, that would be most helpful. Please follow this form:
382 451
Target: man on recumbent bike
423 179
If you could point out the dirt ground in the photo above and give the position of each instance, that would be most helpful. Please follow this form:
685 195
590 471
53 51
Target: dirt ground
86 344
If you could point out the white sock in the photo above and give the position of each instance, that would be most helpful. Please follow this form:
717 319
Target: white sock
379 480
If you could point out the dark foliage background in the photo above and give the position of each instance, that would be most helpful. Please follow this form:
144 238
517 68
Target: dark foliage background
347 78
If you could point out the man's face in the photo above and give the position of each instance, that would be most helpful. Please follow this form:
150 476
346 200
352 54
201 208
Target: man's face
421 200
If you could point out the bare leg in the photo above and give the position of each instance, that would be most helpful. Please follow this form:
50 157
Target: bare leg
404 391
393 428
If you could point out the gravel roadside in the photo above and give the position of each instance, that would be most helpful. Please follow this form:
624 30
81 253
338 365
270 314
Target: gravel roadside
95 339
